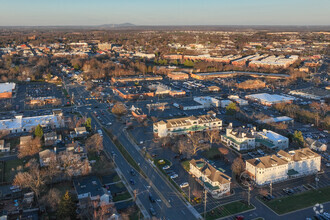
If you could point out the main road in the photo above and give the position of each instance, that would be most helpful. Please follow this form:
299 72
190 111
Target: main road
169 203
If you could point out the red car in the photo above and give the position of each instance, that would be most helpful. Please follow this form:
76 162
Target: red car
239 217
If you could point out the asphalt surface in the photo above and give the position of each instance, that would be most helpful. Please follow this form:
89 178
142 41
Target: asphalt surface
168 205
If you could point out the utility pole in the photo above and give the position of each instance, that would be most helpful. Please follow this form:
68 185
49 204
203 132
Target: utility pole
271 187
135 193
249 194
205 197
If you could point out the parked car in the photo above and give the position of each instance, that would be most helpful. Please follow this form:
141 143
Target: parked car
166 167
174 176
183 185
132 182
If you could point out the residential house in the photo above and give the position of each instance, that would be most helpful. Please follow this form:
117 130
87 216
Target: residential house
51 138
45 157
4 147
90 188
214 181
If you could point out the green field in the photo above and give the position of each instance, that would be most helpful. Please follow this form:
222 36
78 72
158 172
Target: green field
299 201
12 167
228 209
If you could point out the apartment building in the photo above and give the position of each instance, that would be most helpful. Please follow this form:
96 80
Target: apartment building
283 166
214 181
186 125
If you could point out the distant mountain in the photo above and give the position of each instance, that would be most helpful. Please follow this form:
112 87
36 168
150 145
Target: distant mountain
117 25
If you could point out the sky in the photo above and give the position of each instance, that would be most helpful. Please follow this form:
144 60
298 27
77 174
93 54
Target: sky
165 12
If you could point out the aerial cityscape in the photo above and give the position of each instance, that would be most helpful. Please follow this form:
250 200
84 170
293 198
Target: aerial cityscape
174 110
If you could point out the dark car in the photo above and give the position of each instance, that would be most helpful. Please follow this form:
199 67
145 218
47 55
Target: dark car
152 211
151 198
132 182
132 172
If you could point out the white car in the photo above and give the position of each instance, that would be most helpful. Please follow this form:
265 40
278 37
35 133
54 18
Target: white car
174 176
183 185
166 167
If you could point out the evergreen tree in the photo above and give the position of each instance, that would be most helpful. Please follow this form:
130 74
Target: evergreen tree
88 124
298 138
39 132
66 208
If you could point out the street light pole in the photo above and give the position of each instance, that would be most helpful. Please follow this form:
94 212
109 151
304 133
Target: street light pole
271 187
189 194
317 181
205 193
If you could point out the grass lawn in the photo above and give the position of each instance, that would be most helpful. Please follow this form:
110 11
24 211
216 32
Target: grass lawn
12 167
299 201
122 196
185 165
228 209
212 153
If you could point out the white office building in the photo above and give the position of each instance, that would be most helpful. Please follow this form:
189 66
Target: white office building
283 166
186 125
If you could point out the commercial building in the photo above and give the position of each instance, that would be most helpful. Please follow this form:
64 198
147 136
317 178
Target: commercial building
243 138
215 75
6 90
311 93
270 99
136 78
178 75
203 102
239 138
283 166
186 125
238 100
280 119
316 145
133 92
274 62
26 124
277 141
214 181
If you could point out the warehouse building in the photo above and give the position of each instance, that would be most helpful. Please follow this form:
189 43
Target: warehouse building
270 99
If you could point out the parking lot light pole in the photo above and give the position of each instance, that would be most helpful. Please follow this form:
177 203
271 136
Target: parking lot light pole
271 188
317 181
189 193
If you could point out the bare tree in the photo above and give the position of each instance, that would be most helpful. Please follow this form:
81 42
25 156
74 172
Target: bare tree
196 143
52 169
32 179
30 148
213 135
238 166
51 199
94 143
119 109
